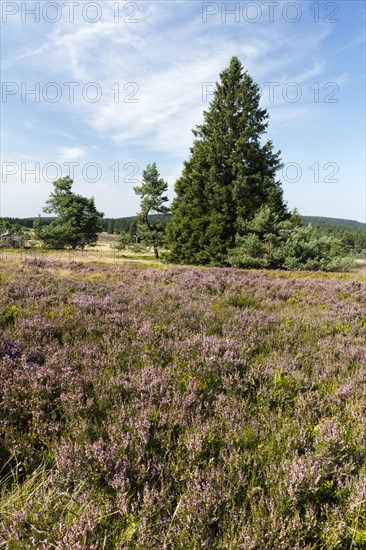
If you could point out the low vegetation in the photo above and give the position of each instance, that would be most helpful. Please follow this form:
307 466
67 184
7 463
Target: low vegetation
181 408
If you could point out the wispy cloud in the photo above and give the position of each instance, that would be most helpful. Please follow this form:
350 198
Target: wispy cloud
162 62
72 153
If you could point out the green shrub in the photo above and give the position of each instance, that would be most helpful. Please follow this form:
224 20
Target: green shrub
268 242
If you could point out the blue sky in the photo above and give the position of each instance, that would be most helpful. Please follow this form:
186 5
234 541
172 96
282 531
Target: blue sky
129 79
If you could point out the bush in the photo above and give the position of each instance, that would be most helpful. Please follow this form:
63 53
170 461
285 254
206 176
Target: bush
267 242
12 236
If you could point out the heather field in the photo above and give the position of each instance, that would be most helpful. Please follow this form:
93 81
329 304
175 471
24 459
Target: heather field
150 407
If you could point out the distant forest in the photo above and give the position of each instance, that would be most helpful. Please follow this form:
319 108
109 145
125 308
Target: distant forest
352 233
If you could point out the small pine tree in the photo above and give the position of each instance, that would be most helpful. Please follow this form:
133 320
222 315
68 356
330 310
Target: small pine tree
110 226
151 233
268 242
12 235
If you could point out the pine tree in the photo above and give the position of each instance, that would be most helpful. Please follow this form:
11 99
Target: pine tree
78 221
230 174
151 191
110 226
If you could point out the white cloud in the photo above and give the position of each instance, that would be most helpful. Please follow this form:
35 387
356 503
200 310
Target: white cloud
169 67
72 153
169 54
169 84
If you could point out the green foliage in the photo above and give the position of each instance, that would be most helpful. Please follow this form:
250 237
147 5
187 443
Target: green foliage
26 222
243 301
229 176
266 241
119 225
77 223
12 236
351 233
9 315
125 241
110 226
144 232
321 220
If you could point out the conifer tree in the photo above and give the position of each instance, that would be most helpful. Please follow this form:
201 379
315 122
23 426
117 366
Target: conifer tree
151 233
230 173
78 221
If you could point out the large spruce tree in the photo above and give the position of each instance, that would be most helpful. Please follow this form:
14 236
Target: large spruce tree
230 173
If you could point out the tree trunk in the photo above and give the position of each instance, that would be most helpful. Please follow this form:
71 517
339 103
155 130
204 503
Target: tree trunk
156 253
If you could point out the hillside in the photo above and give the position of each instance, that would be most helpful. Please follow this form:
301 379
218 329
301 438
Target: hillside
319 220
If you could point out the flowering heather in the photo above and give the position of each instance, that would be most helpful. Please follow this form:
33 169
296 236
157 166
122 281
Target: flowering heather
148 408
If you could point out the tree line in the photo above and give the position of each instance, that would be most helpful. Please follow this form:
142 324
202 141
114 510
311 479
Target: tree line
351 233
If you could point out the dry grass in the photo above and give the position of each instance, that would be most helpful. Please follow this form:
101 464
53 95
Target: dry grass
104 253
101 253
